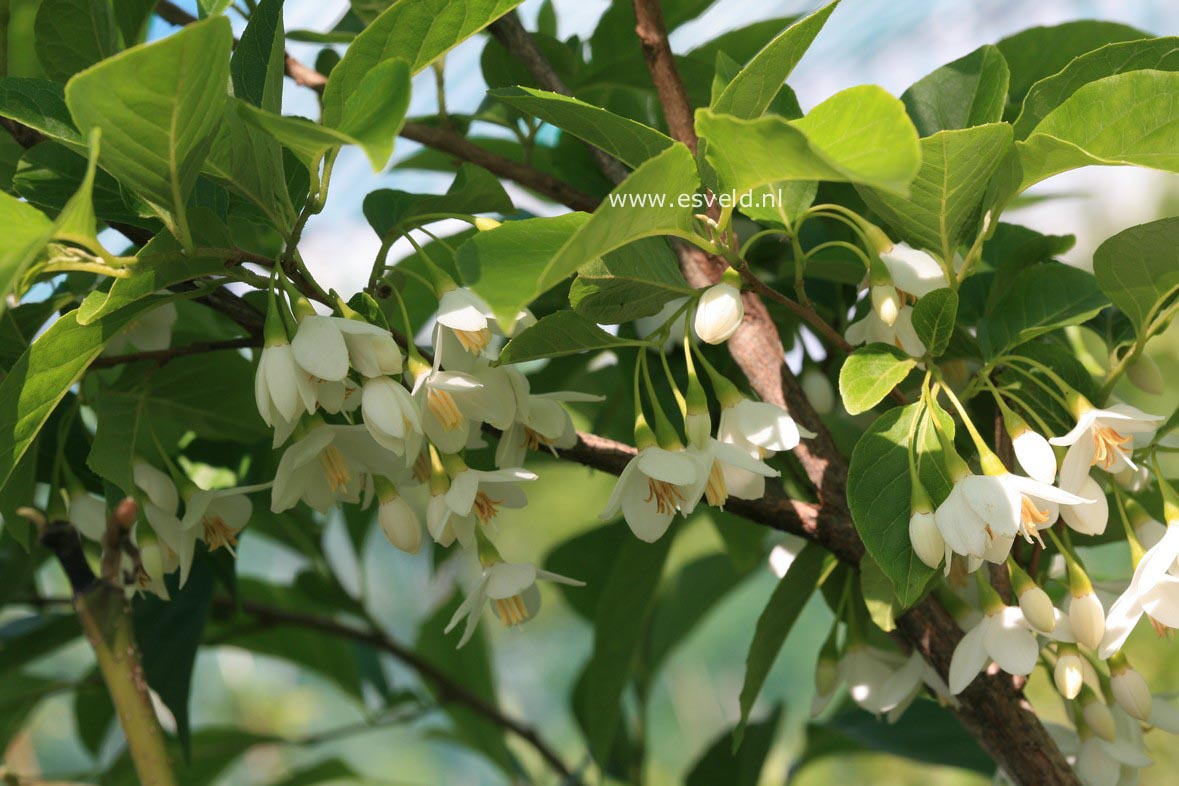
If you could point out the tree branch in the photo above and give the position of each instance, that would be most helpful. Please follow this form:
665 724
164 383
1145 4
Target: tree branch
162 356
446 688
992 710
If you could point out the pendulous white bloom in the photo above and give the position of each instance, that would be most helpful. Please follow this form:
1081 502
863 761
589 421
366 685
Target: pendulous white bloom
216 517
912 270
467 317
478 495
1035 455
1100 438
654 485
984 513
886 303
511 588
391 416
1069 674
717 459
325 346
872 329
540 422
282 389
1153 590
1087 618
760 429
328 464
719 313
1130 691
884 682
1037 609
398 520
1004 636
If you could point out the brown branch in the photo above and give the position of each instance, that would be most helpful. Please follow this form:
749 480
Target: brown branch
446 688
677 110
162 356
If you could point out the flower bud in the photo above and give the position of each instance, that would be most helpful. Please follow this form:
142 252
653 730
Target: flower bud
719 313
399 522
1088 619
1069 675
926 538
1144 373
886 303
1131 691
818 390
1098 717
1038 609
1035 455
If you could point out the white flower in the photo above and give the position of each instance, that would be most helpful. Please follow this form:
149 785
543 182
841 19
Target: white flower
540 421
926 539
325 346
1087 618
1131 692
468 317
391 416
884 682
872 329
1035 455
913 271
1004 636
1089 518
652 487
886 303
398 521
984 513
454 403
1100 438
331 463
760 429
1037 608
88 514
157 485
1153 590
216 517
156 560
511 588
473 497
1099 762
818 390
282 389
716 460
149 332
719 313
1069 674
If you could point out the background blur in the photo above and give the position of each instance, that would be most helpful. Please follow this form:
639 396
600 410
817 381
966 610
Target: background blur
865 41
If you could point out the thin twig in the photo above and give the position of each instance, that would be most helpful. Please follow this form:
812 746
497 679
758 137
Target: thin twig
446 688
162 356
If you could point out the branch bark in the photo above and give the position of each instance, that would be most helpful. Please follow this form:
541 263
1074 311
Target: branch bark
994 712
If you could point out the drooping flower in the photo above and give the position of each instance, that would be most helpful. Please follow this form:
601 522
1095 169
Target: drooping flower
331 463
886 683
397 519
926 539
325 347
1153 590
87 513
468 317
760 429
540 422
477 495
719 313
655 484
511 589
872 329
216 517
912 270
1004 636
1101 438
391 416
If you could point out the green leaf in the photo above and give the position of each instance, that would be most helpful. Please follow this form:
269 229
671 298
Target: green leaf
49 174
25 230
1039 52
620 625
417 31
870 373
654 200
751 91
808 570
74 34
1127 119
44 374
329 771
247 160
860 135
132 17
945 203
562 333
258 59
934 317
1154 54
1138 268
470 667
159 106
781 204
157 268
630 142
40 105
506 265
721 764
878 493
169 634
971 91
634 281
1041 299
474 190
879 597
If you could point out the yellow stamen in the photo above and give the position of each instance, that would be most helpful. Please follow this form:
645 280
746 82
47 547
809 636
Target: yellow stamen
1031 517
716 492
335 468
474 341
1107 446
511 611
441 403
532 439
1159 628
421 467
485 507
219 534
667 497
